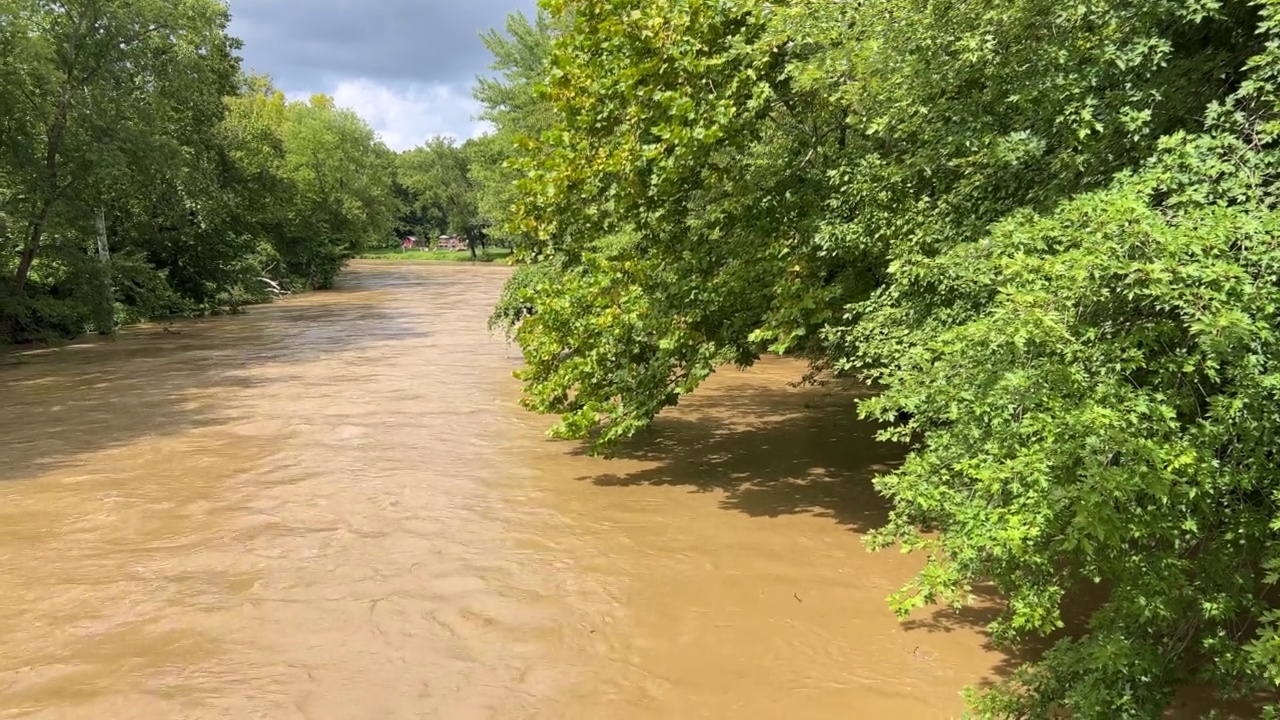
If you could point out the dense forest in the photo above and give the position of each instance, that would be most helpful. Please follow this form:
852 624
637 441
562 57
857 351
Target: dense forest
143 174
1045 230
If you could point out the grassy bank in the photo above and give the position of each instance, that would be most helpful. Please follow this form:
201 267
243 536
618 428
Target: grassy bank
435 255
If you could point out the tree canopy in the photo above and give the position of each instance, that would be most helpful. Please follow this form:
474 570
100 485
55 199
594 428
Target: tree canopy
205 180
1045 230
437 175
470 189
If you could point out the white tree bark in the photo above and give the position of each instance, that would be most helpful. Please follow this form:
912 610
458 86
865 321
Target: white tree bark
106 322
104 250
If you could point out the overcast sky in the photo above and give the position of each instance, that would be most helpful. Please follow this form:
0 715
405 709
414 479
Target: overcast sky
406 66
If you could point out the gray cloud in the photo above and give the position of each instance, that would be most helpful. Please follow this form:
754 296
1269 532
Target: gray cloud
311 42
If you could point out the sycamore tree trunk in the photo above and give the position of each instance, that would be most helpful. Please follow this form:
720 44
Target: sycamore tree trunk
104 250
106 314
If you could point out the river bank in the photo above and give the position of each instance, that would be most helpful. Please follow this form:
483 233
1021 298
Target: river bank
451 256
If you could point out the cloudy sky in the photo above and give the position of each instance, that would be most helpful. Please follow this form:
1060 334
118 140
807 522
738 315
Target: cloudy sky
406 66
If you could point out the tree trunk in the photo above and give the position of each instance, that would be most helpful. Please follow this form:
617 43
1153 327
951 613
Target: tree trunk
106 315
54 136
24 262
104 250
35 234
471 245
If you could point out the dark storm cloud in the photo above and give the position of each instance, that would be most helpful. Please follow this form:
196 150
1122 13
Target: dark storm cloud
314 43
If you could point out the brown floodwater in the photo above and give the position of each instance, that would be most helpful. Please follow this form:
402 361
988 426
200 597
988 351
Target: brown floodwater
332 507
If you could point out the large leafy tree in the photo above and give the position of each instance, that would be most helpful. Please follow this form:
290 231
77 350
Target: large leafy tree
1045 229
97 86
314 183
342 200
518 113
141 175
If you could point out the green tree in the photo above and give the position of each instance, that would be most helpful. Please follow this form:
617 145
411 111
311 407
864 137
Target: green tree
252 138
142 176
518 113
1044 229
98 93
341 186
438 178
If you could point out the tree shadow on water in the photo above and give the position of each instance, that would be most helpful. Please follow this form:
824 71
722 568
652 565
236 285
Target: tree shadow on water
985 607
1079 605
1188 703
771 452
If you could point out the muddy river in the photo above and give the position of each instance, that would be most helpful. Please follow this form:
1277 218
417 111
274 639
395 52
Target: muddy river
332 507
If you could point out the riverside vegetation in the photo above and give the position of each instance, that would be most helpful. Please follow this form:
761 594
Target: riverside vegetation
1047 231
143 174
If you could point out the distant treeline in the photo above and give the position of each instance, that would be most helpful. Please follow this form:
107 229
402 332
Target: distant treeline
143 174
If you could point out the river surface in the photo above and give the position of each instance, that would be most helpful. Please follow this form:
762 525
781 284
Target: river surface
332 507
